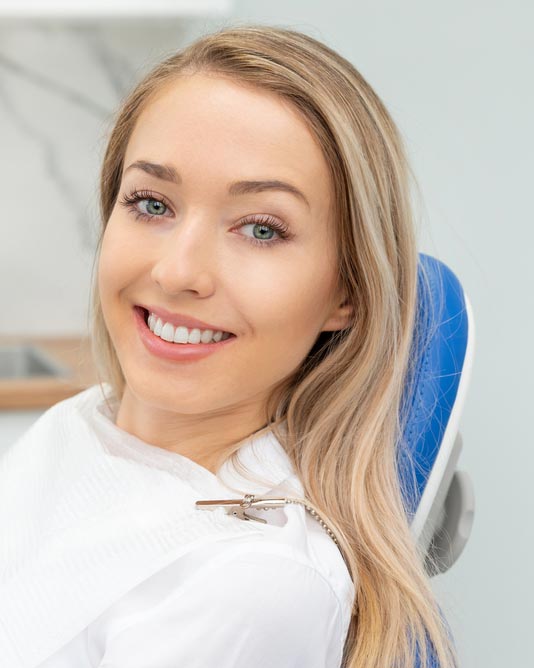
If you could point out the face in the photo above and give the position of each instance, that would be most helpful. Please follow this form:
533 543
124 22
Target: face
257 262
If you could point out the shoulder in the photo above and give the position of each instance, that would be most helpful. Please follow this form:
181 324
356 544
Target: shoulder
292 532
282 585
290 537
249 605
273 571
262 578
289 552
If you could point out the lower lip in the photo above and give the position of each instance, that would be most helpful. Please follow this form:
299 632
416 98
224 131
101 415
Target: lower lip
180 352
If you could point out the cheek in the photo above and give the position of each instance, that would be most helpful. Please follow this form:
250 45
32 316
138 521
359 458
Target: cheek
289 304
284 326
117 261
108 271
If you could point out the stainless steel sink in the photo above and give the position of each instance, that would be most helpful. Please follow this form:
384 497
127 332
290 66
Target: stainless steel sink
19 361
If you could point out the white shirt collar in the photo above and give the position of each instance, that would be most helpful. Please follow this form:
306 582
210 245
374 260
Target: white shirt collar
94 511
270 471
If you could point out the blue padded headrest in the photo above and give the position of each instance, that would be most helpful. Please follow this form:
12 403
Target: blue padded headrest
438 353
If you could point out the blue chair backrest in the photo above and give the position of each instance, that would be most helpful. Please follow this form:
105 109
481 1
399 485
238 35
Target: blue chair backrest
442 352
438 498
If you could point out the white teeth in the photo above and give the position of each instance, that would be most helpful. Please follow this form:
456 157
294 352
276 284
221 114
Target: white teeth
166 332
181 334
194 336
206 336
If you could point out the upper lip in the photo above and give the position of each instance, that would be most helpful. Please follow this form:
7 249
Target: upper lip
178 319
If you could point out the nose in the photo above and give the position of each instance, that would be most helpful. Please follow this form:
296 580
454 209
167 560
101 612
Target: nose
186 260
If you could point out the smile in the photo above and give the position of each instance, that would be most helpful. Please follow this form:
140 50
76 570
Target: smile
187 351
184 335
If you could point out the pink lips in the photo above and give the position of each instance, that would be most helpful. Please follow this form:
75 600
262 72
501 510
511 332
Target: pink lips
179 352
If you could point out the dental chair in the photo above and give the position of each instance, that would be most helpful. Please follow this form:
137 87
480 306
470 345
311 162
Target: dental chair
439 498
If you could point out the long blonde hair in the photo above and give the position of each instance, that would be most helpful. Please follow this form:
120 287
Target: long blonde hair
341 408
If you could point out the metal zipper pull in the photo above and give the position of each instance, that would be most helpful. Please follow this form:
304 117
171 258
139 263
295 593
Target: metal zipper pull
237 507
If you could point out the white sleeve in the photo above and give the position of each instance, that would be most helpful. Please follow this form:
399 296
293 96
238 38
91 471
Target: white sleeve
252 610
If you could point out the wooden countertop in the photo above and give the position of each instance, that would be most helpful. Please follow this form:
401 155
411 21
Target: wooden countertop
45 391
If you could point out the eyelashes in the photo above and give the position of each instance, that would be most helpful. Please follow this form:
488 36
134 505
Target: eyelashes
131 200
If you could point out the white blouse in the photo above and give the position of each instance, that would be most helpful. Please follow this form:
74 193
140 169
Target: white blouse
109 563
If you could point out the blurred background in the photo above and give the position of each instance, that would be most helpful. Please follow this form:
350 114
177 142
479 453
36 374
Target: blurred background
457 78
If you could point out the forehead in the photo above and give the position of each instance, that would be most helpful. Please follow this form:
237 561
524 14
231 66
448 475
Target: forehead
211 126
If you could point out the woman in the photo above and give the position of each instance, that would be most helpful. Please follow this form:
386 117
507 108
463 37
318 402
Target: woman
253 316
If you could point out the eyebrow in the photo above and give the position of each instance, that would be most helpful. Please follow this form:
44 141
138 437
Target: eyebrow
169 173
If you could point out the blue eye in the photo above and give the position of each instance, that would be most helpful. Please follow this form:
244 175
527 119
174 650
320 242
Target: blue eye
156 208
267 224
159 206
130 202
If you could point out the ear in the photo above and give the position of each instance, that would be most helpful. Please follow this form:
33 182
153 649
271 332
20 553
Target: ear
340 316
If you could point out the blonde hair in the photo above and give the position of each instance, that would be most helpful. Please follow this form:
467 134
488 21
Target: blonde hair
341 408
